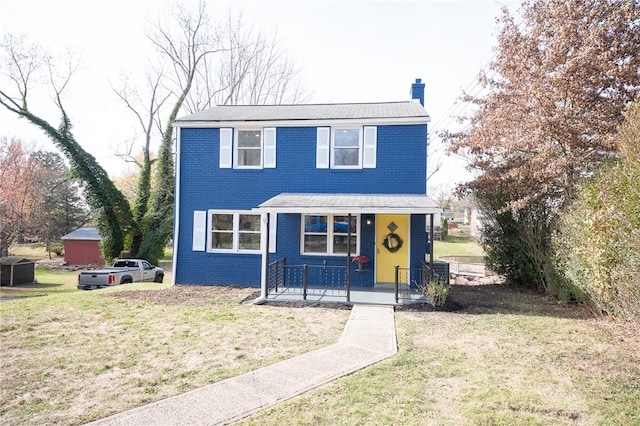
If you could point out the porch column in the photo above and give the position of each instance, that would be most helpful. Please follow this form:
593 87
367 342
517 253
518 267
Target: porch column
264 248
349 258
431 243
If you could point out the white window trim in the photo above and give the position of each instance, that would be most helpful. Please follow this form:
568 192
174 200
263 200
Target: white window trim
333 147
330 233
236 232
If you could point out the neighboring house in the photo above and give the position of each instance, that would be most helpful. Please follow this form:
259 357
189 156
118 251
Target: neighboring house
477 223
15 270
305 185
82 247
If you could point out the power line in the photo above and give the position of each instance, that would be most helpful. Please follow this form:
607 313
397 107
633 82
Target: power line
473 89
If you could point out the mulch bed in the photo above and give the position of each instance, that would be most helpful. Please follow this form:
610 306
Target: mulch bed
470 297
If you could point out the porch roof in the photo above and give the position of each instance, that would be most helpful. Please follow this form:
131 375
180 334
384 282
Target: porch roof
350 203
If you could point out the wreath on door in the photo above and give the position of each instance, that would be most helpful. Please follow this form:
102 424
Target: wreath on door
392 242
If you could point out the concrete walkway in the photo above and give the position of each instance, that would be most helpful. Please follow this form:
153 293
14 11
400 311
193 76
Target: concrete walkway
369 336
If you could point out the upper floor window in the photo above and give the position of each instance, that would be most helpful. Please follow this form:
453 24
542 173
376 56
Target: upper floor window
346 147
247 148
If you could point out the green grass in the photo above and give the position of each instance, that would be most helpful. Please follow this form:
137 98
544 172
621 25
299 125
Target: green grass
71 356
168 255
457 245
525 361
48 281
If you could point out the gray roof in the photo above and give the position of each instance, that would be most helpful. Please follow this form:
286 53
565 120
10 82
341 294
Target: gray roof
83 233
350 203
309 112
14 260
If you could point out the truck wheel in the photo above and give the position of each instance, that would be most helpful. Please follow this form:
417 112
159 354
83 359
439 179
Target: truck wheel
126 281
159 278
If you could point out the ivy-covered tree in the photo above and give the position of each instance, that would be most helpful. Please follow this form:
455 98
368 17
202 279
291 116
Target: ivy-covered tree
187 46
23 66
200 63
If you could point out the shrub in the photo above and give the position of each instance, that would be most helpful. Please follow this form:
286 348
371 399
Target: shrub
599 243
436 291
444 225
57 248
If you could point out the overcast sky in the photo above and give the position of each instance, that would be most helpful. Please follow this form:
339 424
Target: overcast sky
346 51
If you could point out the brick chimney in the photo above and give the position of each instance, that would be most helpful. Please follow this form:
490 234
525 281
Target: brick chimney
417 91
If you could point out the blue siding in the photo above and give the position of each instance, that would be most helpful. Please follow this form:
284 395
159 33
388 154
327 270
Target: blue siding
401 169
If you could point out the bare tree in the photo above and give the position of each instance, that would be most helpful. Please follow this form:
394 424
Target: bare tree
148 119
250 69
183 46
442 195
202 65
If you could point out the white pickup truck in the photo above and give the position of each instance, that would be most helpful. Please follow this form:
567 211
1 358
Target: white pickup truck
123 271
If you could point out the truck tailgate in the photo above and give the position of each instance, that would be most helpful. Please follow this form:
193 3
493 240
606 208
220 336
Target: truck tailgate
94 278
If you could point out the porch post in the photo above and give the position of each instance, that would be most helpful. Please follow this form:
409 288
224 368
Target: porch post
431 247
264 278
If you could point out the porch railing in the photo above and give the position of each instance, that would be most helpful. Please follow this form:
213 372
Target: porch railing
408 279
306 279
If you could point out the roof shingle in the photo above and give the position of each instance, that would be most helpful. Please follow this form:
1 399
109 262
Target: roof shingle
302 112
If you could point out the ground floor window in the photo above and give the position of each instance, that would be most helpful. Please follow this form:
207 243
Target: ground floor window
328 234
234 231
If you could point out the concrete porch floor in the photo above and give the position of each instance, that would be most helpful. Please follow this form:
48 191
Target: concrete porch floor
379 295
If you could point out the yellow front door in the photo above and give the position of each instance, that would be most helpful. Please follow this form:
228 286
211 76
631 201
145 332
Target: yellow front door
392 246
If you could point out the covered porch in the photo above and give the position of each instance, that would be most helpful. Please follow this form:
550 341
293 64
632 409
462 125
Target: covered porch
390 231
369 295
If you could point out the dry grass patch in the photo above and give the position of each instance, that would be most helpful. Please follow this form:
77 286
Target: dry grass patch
506 358
78 356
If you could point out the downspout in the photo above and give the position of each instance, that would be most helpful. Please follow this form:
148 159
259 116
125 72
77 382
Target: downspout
264 277
349 258
176 208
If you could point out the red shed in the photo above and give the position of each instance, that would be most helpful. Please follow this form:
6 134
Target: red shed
82 247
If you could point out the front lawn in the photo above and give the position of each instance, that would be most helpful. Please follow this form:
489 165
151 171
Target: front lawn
505 357
71 356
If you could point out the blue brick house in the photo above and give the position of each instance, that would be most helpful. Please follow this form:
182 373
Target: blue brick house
284 197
